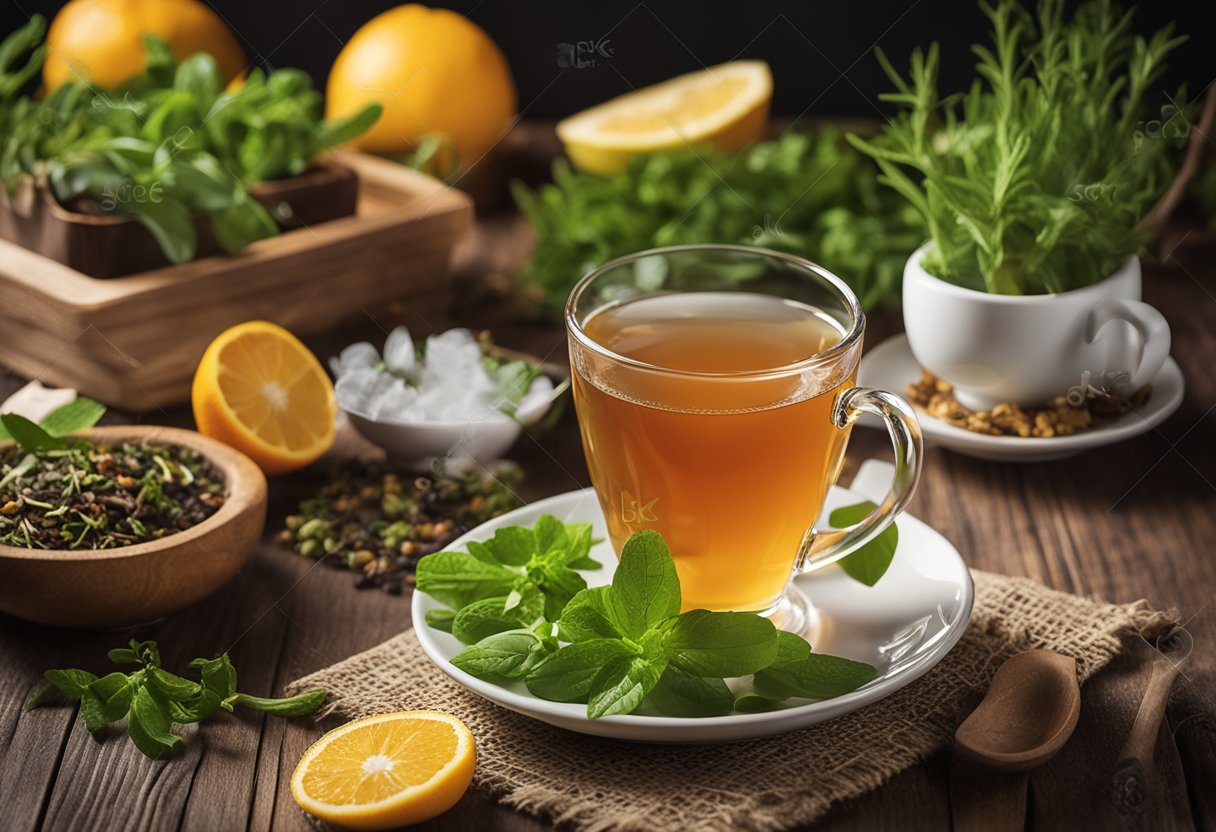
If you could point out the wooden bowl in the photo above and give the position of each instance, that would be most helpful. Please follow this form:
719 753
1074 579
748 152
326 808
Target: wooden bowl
139 583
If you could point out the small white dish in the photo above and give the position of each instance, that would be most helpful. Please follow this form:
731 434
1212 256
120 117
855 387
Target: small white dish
892 366
903 625
483 440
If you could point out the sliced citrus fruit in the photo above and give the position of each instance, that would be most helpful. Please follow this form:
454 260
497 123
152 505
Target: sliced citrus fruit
261 391
381 772
725 106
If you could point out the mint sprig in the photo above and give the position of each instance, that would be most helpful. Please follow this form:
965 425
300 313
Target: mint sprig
153 700
513 580
624 647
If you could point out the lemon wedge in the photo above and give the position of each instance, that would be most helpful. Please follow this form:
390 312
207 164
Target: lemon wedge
725 106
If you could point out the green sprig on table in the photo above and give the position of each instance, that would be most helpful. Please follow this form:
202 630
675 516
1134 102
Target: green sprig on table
807 193
153 700
620 647
1036 178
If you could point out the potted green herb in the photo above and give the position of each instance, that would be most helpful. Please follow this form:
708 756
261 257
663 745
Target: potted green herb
169 166
1033 185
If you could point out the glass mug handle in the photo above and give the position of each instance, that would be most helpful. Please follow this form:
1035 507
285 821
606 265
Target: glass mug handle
821 548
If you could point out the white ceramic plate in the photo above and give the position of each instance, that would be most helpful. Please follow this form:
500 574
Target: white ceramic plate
903 625
891 366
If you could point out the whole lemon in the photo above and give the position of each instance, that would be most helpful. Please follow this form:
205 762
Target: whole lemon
100 40
434 71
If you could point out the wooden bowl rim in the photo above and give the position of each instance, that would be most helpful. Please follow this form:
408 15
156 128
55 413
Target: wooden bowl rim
244 482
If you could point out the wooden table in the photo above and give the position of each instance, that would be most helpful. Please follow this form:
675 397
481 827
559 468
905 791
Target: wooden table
1133 521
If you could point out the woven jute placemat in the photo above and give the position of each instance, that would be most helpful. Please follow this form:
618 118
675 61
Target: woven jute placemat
590 783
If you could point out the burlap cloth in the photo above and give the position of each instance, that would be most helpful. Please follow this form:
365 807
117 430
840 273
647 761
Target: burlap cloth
589 783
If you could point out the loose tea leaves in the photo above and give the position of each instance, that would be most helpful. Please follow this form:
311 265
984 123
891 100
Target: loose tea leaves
1086 407
153 700
379 523
72 494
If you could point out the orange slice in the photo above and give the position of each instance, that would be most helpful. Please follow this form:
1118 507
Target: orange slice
381 772
725 106
261 391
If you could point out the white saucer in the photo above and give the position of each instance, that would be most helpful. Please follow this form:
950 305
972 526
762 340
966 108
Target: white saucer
903 625
891 366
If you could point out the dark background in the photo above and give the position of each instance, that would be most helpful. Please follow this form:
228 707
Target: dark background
820 52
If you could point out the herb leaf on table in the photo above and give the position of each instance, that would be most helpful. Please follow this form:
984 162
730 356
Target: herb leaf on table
153 700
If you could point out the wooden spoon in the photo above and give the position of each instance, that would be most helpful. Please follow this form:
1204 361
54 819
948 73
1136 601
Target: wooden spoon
1029 712
1131 781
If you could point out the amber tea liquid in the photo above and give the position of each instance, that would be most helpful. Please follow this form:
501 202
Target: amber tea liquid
730 464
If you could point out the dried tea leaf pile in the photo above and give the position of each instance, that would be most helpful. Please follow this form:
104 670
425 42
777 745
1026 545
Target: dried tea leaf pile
86 496
378 522
1059 417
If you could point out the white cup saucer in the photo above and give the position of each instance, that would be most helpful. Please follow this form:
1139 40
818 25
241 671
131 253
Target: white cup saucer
891 366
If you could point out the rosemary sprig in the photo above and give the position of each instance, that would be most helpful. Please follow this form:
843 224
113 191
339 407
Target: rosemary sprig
1035 179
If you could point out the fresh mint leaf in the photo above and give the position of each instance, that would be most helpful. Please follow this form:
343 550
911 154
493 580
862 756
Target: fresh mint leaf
559 584
589 615
646 588
621 685
566 676
578 547
106 700
79 414
441 619
29 436
73 683
172 686
704 643
678 694
512 545
148 725
123 655
483 618
511 654
870 562
458 578
813 676
549 533
754 704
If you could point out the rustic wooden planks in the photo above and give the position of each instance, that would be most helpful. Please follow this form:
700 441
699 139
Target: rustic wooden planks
1068 524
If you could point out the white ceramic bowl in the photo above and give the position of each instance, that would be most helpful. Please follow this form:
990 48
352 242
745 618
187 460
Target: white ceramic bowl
1028 349
481 440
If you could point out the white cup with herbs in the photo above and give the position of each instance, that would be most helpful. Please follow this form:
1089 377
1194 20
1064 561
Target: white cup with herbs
1037 188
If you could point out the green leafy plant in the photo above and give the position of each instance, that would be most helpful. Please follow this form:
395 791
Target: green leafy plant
627 646
167 145
1035 179
514 579
49 433
807 193
153 700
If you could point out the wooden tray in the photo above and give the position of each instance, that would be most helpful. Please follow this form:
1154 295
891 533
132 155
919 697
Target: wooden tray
109 245
133 342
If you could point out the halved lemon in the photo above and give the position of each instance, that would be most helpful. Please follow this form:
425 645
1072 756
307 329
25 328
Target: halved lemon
263 392
381 772
725 106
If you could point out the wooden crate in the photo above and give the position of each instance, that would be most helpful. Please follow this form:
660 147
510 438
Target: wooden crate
133 342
